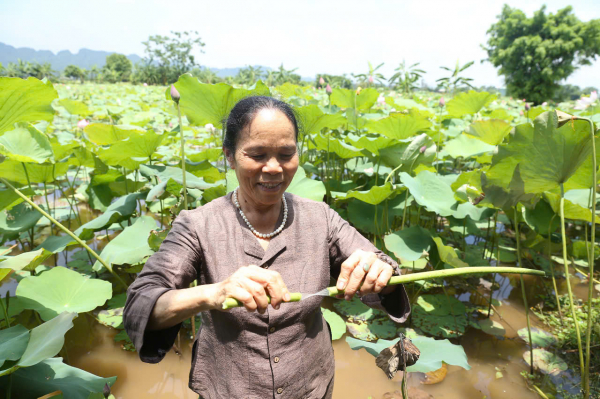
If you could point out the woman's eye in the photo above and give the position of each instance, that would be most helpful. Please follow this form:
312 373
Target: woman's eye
259 156
287 156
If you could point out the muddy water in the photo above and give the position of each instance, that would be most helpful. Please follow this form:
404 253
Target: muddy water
92 348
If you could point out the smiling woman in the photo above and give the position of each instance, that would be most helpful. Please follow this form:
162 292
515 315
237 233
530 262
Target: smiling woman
256 245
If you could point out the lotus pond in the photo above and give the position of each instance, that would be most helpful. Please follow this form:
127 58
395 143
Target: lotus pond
92 177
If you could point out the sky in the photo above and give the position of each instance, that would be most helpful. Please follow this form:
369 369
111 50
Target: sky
315 36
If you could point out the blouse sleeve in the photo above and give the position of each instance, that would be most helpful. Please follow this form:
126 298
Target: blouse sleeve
343 241
174 266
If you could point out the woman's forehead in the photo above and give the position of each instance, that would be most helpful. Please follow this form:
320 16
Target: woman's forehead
268 127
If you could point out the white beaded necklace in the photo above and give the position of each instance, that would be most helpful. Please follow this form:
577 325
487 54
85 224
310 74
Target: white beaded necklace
256 233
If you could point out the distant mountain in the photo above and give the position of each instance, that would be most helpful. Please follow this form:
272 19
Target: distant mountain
84 58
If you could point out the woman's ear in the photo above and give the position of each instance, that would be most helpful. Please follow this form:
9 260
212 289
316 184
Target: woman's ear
230 158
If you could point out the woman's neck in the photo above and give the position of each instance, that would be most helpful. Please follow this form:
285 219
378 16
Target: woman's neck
262 217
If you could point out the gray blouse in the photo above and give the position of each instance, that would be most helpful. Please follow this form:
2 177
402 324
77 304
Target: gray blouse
283 353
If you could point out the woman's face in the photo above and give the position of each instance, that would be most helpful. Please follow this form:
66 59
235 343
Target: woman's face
266 157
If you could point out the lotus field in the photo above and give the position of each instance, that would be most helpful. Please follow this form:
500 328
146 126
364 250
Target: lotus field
92 176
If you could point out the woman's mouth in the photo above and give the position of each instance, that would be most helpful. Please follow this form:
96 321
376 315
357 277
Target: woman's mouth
270 186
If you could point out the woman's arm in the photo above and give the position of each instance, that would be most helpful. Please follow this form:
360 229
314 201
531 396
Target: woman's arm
344 241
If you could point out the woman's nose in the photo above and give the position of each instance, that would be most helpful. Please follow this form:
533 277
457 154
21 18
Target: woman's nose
273 166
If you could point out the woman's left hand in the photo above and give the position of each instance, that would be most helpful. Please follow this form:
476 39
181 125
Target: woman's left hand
363 267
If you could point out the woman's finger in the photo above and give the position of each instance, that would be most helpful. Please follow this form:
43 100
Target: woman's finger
356 278
347 268
368 284
244 297
258 293
272 282
383 278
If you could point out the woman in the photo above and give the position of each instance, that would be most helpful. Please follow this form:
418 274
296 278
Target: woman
254 242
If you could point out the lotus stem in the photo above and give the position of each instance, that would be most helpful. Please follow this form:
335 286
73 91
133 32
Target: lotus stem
518 239
4 310
395 280
567 276
552 270
67 231
494 238
588 335
182 140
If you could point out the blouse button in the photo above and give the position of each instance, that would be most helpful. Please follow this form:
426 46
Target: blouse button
276 359
279 390
272 329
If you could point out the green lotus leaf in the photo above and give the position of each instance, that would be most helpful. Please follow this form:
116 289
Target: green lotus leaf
491 131
404 103
465 146
539 337
375 195
208 155
75 107
572 211
56 244
546 362
357 309
113 315
9 199
27 261
26 144
400 126
300 185
541 218
409 244
579 249
45 341
204 170
336 323
430 191
13 342
52 375
38 173
103 134
433 352
313 120
119 210
440 315
164 173
359 329
371 144
362 215
469 103
140 147
288 90
131 246
20 218
492 327
60 289
347 98
581 197
547 155
582 178
445 254
62 151
418 151
337 146
25 101
210 103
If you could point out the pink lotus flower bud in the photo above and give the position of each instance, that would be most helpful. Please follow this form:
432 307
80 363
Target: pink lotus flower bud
422 149
521 113
82 124
145 84
69 88
321 81
381 100
328 89
442 102
370 79
543 105
527 107
525 102
175 94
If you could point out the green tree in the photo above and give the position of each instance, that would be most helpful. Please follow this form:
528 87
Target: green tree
172 55
406 77
117 68
453 82
335 81
74 72
535 54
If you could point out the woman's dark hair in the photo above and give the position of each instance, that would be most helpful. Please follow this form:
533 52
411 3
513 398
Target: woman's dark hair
244 112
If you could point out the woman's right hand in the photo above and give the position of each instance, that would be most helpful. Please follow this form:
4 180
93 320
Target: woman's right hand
250 285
